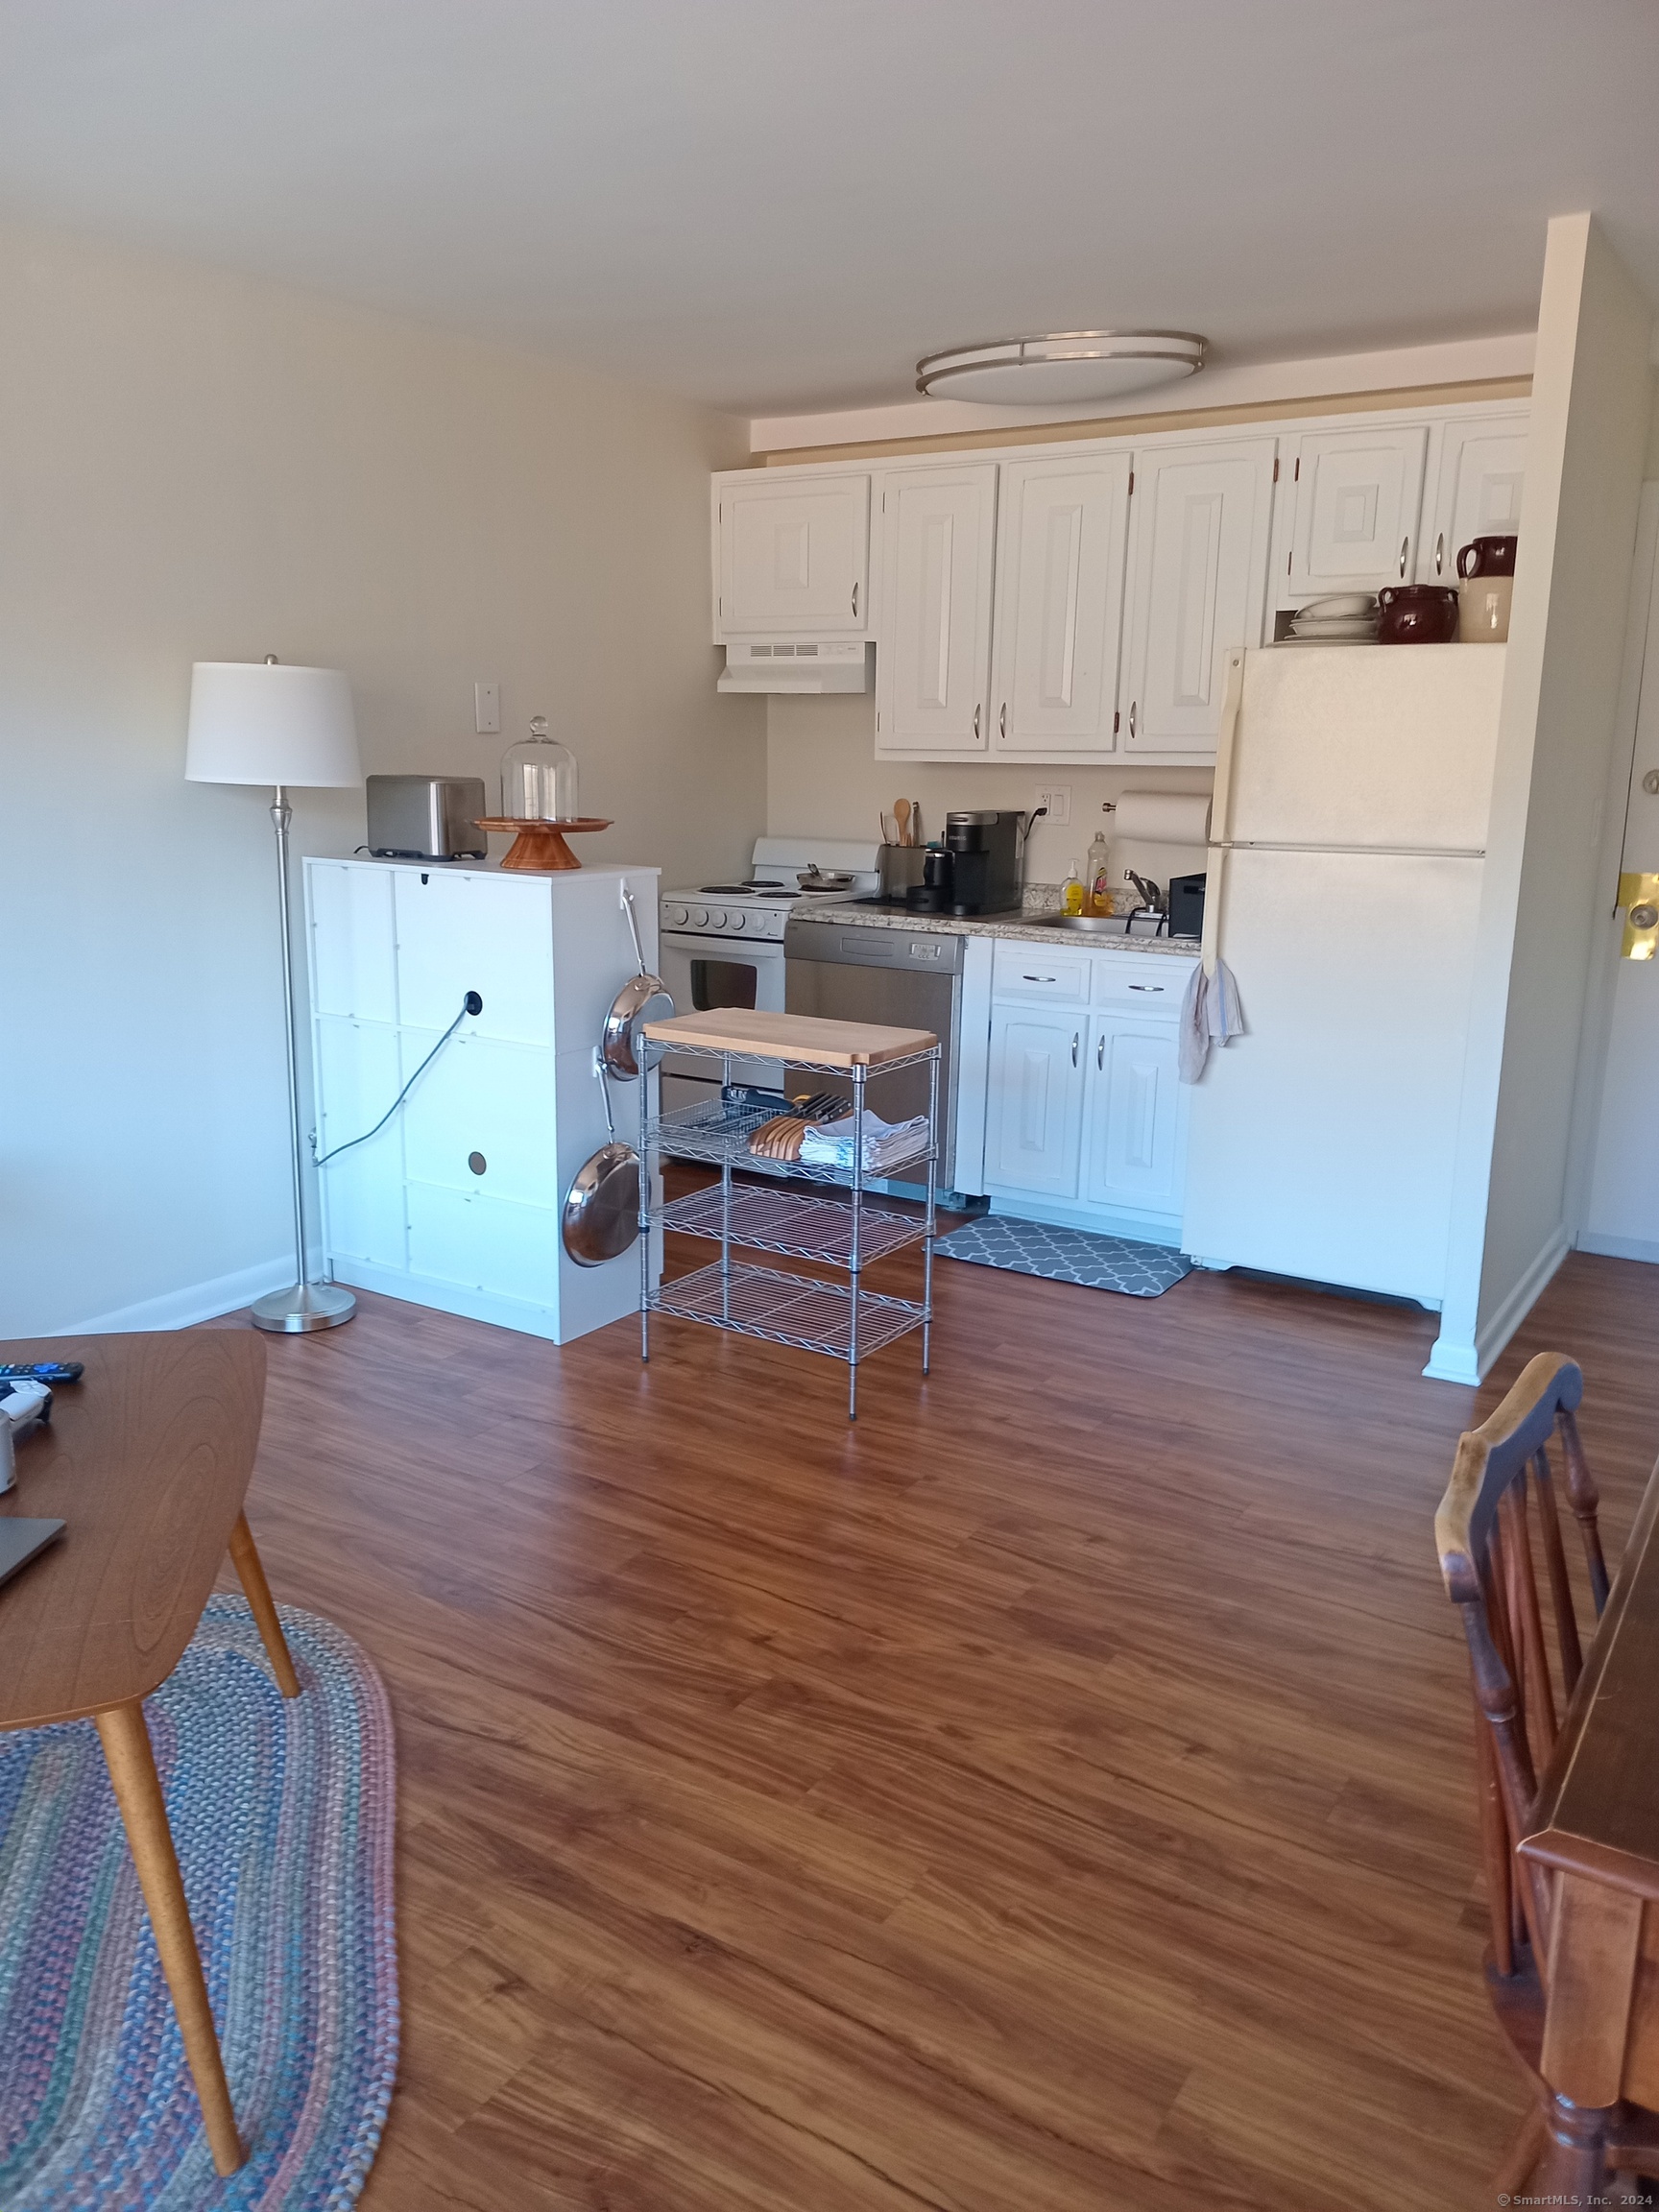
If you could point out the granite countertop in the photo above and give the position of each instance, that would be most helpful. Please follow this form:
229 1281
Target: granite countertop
1026 928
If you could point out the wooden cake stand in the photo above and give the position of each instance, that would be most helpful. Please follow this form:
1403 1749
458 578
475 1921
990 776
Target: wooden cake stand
541 844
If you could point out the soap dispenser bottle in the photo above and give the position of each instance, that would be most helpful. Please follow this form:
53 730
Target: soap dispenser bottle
1097 893
1071 891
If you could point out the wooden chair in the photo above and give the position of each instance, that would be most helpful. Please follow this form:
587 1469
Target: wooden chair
1501 1511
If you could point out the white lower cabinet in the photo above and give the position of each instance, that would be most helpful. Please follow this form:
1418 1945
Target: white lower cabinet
1036 1103
1085 1116
1132 1117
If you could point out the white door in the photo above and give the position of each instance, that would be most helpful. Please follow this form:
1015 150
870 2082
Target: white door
1477 491
1622 1216
1130 1115
932 664
794 557
1034 1112
1358 495
1059 604
1198 530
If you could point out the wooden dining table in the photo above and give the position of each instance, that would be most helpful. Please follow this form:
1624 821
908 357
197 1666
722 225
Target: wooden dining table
146 1460
1596 1830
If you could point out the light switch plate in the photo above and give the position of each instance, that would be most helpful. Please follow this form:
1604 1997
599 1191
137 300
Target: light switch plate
487 702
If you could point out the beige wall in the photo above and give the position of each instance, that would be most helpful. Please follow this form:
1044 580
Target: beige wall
822 775
196 467
1548 847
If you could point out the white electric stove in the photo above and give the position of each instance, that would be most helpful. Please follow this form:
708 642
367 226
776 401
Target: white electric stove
722 944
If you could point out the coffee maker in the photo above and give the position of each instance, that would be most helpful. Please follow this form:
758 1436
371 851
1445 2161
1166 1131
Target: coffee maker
984 849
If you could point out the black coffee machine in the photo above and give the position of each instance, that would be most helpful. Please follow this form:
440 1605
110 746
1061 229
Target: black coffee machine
984 850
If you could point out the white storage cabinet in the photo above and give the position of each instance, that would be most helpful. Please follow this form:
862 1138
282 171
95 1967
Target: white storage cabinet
791 555
1085 1121
457 1203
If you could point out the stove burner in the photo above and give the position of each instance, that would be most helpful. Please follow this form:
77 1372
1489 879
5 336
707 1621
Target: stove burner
724 890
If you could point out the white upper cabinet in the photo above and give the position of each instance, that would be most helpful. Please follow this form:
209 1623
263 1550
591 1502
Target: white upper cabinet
933 662
1198 539
1358 495
1059 603
792 556
1477 490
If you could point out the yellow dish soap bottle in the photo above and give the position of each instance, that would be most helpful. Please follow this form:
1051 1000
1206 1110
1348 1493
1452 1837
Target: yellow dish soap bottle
1072 892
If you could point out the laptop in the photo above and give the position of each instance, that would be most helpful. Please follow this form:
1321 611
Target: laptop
21 1540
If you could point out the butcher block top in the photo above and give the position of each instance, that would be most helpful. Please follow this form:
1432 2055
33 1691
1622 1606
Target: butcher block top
799 1037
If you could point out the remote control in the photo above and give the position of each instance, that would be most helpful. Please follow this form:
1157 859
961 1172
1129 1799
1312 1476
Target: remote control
42 1371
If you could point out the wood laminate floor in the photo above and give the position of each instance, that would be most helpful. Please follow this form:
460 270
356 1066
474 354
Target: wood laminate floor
1053 1793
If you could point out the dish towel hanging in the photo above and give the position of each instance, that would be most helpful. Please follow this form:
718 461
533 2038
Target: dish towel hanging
1210 1015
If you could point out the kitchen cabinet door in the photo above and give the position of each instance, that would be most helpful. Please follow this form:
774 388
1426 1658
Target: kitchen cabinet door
1034 1112
793 557
1131 1114
1198 530
933 662
1059 604
1477 491
1359 495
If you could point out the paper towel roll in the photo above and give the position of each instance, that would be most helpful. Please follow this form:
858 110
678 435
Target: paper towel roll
1161 818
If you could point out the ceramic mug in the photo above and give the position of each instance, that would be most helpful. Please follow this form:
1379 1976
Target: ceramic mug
1487 557
1483 610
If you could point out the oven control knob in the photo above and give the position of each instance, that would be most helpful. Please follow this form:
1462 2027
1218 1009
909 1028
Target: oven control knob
698 917
675 917
716 917
738 921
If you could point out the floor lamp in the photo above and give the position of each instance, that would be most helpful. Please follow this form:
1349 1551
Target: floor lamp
254 722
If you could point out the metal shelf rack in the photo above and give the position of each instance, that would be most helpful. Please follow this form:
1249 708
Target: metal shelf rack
840 1319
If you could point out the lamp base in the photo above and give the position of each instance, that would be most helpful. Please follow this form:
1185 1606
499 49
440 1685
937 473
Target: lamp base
303 1306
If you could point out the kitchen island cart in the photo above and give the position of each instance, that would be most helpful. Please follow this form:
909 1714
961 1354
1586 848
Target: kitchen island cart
780 1214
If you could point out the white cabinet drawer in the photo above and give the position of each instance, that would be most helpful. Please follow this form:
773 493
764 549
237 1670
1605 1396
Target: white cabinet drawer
1150 983
1032 972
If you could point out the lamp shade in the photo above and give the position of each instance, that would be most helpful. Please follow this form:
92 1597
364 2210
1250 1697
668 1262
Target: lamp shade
264 722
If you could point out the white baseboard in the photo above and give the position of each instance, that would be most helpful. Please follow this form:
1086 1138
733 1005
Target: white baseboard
1451 1362
1620 1248
183 1308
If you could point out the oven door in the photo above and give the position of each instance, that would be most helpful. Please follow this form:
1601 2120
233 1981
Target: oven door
702 974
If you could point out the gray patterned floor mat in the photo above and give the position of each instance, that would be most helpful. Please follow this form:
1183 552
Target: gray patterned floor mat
1067 1255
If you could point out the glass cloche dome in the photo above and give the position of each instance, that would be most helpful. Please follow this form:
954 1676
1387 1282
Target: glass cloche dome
539 778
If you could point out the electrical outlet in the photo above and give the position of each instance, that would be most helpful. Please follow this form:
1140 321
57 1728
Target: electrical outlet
487 704
1057 797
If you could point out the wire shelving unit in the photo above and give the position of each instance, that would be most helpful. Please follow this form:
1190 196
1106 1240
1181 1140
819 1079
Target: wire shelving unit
783 1215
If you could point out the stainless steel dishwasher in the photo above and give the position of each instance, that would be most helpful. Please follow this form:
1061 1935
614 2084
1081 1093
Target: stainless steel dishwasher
909 979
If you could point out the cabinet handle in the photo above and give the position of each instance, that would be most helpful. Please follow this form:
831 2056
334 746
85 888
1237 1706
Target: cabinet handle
1100 1052
1076 1040
1439 552
1132 706
1002 719
975 721
1405 545
854 602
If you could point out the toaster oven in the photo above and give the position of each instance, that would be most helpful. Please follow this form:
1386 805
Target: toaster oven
426 817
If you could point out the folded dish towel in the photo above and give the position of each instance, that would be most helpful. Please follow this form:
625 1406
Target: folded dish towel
1210 1015
886 1144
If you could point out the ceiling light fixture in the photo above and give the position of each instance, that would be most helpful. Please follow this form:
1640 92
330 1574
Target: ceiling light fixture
1066 368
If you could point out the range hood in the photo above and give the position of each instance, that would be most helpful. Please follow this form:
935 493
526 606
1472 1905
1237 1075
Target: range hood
807 666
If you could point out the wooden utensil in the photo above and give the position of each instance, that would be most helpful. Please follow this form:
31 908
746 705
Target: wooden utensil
901 819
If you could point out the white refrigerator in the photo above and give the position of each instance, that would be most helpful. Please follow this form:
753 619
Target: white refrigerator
1348 836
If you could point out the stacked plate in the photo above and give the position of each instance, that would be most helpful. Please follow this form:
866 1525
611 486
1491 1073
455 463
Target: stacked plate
1342 618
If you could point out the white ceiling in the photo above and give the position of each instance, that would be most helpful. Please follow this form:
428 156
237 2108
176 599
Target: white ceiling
778 205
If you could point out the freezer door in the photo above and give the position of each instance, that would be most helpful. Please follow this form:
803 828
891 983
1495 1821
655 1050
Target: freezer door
1321 1142
1378 746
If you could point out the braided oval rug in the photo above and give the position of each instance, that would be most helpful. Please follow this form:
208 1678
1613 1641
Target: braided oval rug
283 1815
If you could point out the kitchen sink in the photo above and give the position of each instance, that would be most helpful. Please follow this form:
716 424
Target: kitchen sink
1088 925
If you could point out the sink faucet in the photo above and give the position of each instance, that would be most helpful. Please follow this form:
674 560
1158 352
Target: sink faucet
1151 898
